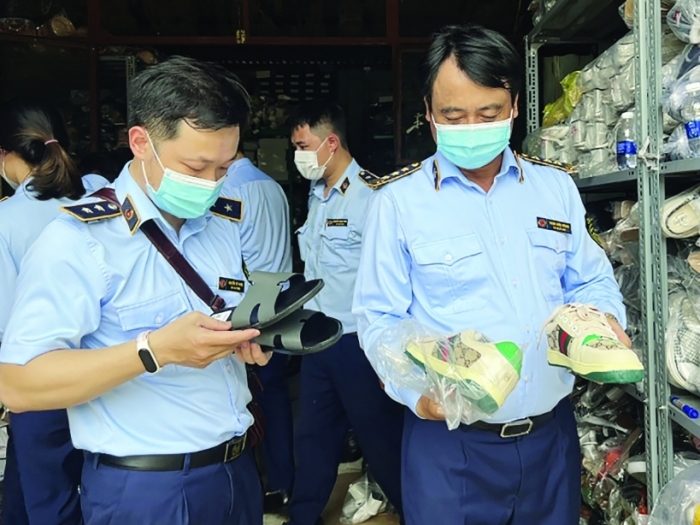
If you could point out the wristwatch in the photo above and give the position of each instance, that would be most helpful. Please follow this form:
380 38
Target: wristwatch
148 358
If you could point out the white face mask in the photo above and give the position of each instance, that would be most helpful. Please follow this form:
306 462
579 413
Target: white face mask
307 163
12 184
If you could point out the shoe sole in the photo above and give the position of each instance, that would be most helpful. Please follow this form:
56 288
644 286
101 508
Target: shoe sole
486 404
630 371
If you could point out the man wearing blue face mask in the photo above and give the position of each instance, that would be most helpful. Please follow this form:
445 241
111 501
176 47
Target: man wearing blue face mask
338 388
476 238
108 327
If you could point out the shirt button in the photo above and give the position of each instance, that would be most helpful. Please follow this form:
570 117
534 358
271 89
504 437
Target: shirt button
228 368
448 257
527 328
526 378
159 319
502 240
515 283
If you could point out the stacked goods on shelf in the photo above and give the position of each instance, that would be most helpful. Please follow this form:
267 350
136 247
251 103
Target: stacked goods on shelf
581 128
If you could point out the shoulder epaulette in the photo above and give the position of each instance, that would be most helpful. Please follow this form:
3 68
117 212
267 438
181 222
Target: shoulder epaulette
93 211
375 181
4 199
231 209
568 168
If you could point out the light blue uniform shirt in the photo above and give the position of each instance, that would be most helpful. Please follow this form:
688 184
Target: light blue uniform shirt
95 285
330 243
264 227
440 250
22 219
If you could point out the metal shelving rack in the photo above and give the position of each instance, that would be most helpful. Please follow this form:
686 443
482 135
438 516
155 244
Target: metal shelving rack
580 21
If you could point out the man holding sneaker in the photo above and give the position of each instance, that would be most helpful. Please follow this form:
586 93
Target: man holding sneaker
477 238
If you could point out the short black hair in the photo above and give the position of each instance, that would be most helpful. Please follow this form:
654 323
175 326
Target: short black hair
33 129
484 55
321 113
204 94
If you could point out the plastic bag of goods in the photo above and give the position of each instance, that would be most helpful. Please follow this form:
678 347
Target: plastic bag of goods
683 343
684 20
469 375
679 501
676 147
364 500
559 110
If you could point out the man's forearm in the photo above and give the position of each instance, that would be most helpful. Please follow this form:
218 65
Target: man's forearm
66 378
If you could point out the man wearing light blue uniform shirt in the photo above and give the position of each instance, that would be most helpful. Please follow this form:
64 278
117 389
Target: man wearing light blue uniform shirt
455 243
339 389
103 325
266 247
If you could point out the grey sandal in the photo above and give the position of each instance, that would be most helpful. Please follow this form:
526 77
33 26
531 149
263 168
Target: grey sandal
270 298
303 332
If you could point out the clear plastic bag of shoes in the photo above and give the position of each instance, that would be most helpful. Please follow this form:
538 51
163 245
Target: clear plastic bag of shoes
684 20
467 374
679 501
676 76
683 342
364 500
622 88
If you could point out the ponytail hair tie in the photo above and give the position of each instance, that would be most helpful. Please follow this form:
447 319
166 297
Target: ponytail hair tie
51 141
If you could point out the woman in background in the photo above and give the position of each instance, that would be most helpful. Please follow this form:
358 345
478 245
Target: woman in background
43 469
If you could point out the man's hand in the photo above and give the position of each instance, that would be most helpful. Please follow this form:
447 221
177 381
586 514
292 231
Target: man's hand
197 340
430 410
620 333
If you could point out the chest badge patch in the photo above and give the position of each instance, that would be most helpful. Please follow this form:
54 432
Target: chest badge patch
336 222
556 226
231 285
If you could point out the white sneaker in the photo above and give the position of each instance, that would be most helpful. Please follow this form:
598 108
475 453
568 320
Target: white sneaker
581 339
680 215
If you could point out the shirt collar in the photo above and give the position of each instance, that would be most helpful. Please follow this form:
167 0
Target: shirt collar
143 207
442 169
239 164
342 184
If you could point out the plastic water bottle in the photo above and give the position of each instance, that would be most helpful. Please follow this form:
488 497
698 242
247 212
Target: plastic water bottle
691 116
626 145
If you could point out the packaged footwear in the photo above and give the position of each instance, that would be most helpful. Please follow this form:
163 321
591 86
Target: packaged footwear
485 372
581 339
683 343
680 215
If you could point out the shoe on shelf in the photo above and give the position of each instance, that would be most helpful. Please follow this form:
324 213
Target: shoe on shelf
485 372
680 215
581 339
683 343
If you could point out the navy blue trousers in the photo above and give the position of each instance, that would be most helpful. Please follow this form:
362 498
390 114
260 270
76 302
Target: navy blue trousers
475 477
220 494
340 390
47 470
277 446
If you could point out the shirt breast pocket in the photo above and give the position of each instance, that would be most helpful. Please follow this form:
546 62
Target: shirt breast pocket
549 250
151 314
455 274
340 246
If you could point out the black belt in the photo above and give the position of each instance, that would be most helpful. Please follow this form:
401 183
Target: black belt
521 427
166 462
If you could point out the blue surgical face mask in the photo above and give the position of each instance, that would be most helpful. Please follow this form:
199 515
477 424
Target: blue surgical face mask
180 195
473 146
